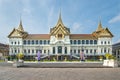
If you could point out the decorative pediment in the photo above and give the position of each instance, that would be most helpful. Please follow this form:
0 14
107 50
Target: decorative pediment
19 32
60 29
102 32
105 33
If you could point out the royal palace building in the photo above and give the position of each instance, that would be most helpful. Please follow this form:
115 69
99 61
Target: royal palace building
60 42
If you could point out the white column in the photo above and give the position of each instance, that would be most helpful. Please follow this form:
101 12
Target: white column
56 52
63 50
68 50
116 54
51 50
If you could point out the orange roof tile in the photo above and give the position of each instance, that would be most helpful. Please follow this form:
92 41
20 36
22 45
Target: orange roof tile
38 36
82 36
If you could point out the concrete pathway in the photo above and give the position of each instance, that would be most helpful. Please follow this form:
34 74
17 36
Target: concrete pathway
9 73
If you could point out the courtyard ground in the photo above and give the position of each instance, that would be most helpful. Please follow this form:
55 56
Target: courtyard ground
10 73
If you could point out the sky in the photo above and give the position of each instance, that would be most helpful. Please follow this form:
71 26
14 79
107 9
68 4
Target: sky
38 16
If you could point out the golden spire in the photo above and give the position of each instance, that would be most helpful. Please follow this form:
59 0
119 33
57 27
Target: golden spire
99 26
60 19
20 27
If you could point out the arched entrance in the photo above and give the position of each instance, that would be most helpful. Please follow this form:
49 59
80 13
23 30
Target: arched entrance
59 49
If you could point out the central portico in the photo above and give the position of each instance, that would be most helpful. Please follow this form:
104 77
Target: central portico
59 39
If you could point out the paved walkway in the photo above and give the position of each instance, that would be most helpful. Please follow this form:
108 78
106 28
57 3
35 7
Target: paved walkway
9 73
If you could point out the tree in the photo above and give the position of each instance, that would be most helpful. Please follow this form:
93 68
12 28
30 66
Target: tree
20 55
109 56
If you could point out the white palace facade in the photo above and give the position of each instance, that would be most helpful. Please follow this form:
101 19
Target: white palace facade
60 42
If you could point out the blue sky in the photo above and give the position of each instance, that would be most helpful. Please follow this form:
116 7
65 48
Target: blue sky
81 16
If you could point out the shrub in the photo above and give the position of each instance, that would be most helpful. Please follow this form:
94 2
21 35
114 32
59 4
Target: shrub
20 55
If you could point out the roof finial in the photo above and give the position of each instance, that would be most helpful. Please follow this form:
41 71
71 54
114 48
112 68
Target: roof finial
20 27
99 25
60 19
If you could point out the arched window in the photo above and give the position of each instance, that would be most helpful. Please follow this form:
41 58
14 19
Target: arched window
11 42
44 41
24 42
101 42
59 35
90 50
74 51
32 51
18 42
71 51
48 41
24 50
36 41
32 41
79 42
91 41
101 50
108 42
53 50
104 50
28 41
83 41
87 41
44 51
78 50
95 41
28 50
74 41
65 50
15 42
86 50
40 41
70 41
105 42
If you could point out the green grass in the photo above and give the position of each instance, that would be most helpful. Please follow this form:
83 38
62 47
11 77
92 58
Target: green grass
1 60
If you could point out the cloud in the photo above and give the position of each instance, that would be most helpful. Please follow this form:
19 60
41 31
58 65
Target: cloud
77 28
115 19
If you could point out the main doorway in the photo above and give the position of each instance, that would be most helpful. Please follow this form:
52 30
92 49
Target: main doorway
59 49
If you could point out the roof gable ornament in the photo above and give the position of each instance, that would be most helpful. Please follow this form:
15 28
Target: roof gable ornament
60 20
20 27
60 28
99 26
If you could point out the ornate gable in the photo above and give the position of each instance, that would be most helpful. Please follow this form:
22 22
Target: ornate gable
102 32
105 33
19 33
60 30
